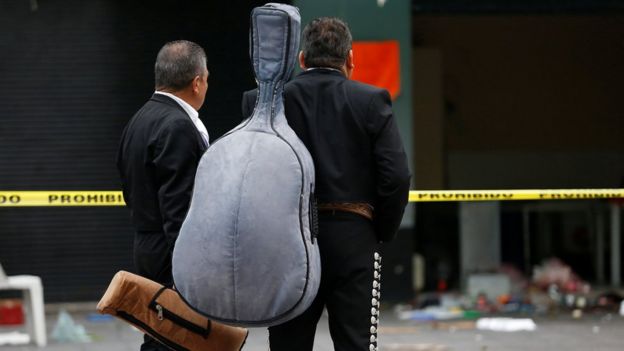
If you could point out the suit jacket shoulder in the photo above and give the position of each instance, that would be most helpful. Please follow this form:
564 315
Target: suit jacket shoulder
363 88
162 116
167 111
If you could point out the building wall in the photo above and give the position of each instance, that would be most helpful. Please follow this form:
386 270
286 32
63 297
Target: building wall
529 100
518 101
72 74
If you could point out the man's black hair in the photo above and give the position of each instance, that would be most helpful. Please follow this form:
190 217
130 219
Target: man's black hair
177 64
326 42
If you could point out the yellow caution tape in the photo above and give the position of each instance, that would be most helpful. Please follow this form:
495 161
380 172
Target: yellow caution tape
505 195
115 198
61 198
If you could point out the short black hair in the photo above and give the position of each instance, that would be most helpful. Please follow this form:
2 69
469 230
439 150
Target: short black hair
326 42
177 64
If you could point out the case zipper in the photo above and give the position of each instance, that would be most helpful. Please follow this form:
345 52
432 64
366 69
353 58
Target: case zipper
160 312
163 313
131 319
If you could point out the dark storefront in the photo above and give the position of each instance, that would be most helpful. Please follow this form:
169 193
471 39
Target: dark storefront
72 74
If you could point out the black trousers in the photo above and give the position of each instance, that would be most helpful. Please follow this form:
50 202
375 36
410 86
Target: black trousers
152 260
347 244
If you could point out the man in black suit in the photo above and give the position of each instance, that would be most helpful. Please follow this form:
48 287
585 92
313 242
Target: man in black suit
362 184
158 155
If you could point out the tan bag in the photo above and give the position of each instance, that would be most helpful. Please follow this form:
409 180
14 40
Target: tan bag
161 313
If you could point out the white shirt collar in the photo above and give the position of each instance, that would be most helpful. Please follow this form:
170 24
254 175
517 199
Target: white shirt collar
191 112
185 105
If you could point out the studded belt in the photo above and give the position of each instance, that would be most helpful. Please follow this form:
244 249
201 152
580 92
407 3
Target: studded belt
361 208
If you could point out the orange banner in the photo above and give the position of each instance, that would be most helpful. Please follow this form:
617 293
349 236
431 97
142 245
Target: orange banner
377 63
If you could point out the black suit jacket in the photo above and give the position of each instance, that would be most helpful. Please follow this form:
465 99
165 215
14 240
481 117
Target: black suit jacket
158 155
350 131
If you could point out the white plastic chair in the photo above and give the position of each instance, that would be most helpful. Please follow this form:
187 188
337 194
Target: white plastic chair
32 289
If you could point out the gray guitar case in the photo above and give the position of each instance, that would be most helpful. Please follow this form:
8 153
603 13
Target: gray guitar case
246 253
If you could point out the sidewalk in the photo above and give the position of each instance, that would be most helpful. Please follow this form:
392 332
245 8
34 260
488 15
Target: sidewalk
592 332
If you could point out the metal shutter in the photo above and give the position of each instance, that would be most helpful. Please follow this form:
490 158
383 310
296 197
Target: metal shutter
71 75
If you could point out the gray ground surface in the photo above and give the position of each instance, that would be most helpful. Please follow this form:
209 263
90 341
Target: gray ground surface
598 332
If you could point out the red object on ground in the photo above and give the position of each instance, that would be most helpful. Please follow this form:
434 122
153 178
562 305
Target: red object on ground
11 312
442 285
482 303
503 299
377 63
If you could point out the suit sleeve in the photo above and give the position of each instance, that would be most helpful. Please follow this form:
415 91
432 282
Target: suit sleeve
120 168
249 102
392 172
176 157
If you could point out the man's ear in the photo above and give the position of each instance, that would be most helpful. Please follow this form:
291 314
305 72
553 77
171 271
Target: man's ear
349 65
196 82
302 61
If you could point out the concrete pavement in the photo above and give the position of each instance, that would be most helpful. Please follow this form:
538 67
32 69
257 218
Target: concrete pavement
600 332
